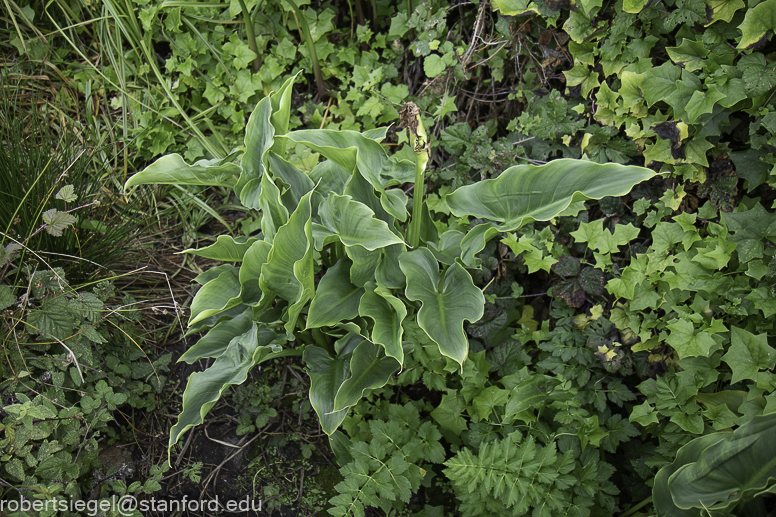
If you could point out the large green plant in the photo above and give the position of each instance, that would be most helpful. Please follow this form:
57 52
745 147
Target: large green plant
722 473
331 271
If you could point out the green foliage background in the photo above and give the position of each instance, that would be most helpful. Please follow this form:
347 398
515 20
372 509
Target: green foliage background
610 339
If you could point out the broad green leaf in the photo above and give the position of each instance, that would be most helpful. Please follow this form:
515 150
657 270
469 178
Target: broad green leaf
298 182
388 272
661 493
582 75
433 65
250 272
365 263
216 341
514 7
326 376
687 342
290 266
216 296
281 112
722 10
702 102
205 388
354 151
226 249
748 354
488 399
689 55
273 213
388 313
336 298
51 320
445 302
353 224
749 229
259 138
660 82
634 6
57 222
370 368
67 194
728 471
173 170
448 412
526 193
758 21
750 167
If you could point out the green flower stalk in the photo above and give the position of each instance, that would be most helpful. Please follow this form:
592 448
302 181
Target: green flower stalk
410 119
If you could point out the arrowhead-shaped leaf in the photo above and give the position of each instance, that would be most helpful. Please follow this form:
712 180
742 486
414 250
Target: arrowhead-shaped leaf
370 369
336 298
326 376
205 388
446 303
388 313
290 267
353 223
526 193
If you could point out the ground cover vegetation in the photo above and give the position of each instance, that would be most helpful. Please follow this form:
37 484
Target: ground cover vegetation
402 311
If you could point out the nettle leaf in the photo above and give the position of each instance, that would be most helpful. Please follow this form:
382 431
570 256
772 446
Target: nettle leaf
336 298
7 297
446 301
748 354
67 194
758 21
173 170
57 222
759 77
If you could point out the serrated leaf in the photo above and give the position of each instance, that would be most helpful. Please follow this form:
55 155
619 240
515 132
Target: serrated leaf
57 222
7 297
67 194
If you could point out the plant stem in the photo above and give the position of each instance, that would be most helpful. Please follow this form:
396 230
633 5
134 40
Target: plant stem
251 35
410 119
638 507
304 31
417 202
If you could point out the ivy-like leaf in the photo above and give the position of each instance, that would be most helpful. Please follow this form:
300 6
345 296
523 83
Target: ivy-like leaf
748 354
67 194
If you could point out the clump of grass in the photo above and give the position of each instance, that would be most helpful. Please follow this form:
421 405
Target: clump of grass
38 156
